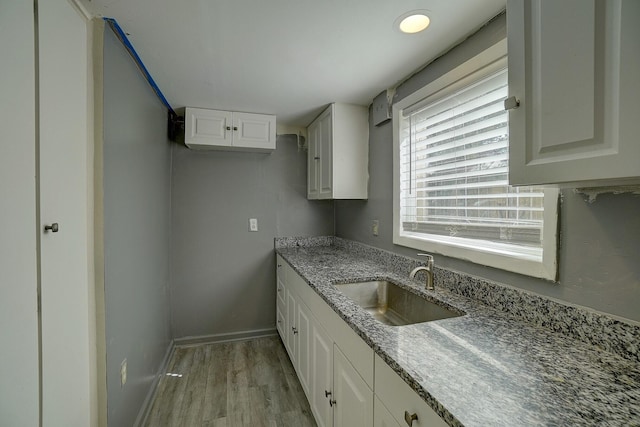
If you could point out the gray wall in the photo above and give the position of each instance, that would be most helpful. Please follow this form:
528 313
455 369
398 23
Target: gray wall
223 276
600 244
137 164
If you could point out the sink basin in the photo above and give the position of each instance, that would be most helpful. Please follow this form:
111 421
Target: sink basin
392 305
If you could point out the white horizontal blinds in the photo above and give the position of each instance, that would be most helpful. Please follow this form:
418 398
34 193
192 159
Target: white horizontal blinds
454 169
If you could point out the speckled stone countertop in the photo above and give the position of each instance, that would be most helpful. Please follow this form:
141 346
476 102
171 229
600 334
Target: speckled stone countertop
488 367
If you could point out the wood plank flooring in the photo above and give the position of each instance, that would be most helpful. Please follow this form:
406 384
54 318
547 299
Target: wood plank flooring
242 383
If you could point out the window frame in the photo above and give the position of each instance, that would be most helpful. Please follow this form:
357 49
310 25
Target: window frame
495 255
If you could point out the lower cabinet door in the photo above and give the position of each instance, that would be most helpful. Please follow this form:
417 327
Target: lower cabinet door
290 324
353 405
303 342
381 415
321 386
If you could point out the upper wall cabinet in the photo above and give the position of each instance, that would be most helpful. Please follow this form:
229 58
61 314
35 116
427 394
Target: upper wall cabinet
338 158
574 67
226 130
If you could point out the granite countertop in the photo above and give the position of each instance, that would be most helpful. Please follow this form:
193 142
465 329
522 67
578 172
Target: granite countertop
487 367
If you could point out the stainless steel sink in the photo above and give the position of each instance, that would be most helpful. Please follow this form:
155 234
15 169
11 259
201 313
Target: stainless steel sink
392 305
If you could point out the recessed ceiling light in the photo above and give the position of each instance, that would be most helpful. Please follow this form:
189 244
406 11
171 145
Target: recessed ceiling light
413 22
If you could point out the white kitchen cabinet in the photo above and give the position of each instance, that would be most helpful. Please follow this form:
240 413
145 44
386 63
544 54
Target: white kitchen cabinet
313 159
321 376
353 399
573 66
281 299
290 322
303 345
332 367
381 415
402 402
338 370
339 395
226 130
293 323
338 157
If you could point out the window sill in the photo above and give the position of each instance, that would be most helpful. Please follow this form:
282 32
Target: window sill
527 261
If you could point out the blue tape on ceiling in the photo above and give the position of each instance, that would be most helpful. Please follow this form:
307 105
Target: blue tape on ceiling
127 44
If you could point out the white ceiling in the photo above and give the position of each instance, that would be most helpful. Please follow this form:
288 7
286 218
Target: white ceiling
286 57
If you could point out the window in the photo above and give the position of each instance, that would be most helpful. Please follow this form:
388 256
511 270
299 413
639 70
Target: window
451 170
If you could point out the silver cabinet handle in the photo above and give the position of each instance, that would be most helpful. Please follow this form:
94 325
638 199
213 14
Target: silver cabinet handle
54 228
410 418
511 103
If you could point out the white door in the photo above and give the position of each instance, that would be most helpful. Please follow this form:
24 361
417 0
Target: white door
313 161
321 376
326 156
254 131
353 398
573 66
19 402
205 128
63 113
290 320
303 337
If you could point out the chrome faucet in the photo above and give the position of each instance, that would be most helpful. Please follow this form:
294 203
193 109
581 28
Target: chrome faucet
428 270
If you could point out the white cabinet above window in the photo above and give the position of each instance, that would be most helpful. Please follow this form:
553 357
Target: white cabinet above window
226 130
574 67
338 162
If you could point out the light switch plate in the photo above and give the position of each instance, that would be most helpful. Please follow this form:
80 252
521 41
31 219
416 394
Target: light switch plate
253 224
375 225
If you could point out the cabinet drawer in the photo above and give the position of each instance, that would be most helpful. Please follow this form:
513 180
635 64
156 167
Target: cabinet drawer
398 397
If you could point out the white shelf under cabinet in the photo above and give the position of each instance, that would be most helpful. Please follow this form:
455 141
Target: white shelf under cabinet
338 158
574 67
229 130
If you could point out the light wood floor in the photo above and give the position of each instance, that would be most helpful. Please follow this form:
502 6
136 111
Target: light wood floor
244 383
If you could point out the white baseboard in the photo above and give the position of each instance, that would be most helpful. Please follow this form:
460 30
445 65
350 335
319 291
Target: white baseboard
226 337
143 414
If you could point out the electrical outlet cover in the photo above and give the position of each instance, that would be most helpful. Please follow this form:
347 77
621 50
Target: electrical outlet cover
123 372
